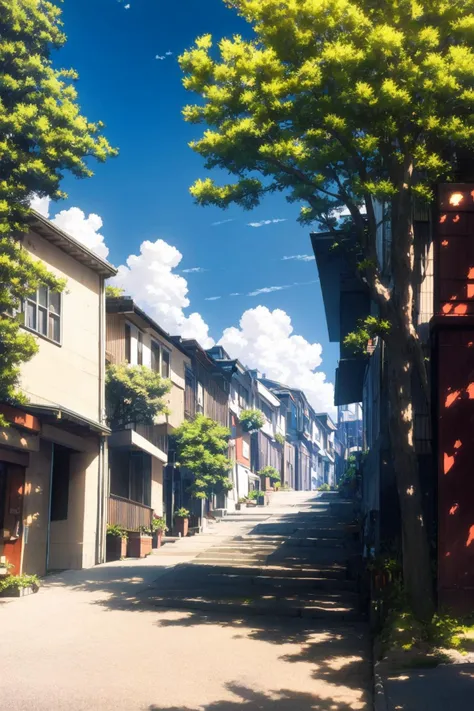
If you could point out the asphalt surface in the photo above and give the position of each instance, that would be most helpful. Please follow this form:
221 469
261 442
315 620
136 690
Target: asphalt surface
258 613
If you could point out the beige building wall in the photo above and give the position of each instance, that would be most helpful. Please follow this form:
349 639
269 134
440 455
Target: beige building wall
36 510
68 374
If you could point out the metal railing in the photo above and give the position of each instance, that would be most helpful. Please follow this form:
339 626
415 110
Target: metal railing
128 514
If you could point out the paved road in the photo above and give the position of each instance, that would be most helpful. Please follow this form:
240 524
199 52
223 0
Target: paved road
259 613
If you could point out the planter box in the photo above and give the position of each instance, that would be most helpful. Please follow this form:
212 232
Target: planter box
261 500
116 548
181 526
19 592
238 507
139 545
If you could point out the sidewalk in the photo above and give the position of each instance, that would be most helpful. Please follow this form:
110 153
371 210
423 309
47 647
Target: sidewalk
445 688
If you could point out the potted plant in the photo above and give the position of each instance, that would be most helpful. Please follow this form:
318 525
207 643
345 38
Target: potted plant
4 567
139 543
19 585
268 477
158 527
239 503
116 543
252 498
181 522
252 420
261 498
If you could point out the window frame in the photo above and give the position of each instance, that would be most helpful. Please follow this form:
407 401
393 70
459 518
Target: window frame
46 309
161 350
128 342
139 347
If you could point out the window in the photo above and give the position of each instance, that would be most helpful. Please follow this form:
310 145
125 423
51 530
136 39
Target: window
267 410
60 483
43 313
165 363
200 398
140 348
155 357
128 343
160 359
243 396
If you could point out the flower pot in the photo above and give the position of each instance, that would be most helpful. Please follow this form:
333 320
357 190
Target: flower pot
181 526
261 500
116 548
139 545
238 507
157 539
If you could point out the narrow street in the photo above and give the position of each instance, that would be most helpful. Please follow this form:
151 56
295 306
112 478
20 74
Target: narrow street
257 613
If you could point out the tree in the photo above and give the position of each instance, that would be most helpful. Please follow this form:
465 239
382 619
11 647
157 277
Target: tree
251 420
201 447
42 135
134 395
113 292
342 104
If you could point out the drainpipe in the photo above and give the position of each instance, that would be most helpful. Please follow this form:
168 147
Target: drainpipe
48 533
102 478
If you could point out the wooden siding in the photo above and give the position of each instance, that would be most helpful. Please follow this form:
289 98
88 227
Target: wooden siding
115 338
216 398
128 514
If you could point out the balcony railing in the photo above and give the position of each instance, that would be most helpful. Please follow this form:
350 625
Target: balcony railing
130 515
154 434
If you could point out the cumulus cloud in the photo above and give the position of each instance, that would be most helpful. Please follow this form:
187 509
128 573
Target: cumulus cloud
40 204
150 278
193 270
265 340
266 222
222 222
75 223
299 258
84 229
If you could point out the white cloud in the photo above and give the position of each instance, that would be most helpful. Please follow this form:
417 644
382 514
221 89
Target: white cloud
40 204
212 298
222 222
150 278
344 211
299 258
265 341
74 222
266 222
168 53
160 57
127 7
84 229
270 289
193 270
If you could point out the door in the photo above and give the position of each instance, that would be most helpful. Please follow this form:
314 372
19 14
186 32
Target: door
12 486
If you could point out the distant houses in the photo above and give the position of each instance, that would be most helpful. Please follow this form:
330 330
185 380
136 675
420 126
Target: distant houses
66 475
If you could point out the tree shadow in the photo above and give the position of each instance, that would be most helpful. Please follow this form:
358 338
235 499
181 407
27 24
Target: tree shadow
278 700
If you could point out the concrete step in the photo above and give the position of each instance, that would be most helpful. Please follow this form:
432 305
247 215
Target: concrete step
241 607
334 572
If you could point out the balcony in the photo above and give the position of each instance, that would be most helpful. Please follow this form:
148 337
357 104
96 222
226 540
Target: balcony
130 515
147 438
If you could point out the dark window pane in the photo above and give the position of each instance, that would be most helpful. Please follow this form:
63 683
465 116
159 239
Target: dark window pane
42 321
155 357
31 315
139 348
165 365
119 473
43 295
128 343
60 483
54 328
55 302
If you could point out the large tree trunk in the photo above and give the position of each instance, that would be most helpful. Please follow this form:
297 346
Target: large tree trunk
415 542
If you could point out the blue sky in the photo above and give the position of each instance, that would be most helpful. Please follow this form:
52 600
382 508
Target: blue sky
143 194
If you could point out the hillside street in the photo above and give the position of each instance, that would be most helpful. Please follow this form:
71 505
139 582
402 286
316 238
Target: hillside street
257 613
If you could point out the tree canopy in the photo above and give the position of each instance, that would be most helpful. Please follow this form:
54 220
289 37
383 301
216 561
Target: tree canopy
346 106
202 447
134 395
42 136
251 420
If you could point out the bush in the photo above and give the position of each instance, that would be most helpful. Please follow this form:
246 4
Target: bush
280 438
324 487
252 420
19 581
158 524
253 495
269 472
116 530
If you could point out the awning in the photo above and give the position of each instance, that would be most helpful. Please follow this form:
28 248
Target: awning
56 415
350 381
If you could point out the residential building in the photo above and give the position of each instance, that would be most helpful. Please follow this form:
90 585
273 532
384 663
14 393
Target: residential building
327 453
139 453
266 450
53 457
444 320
